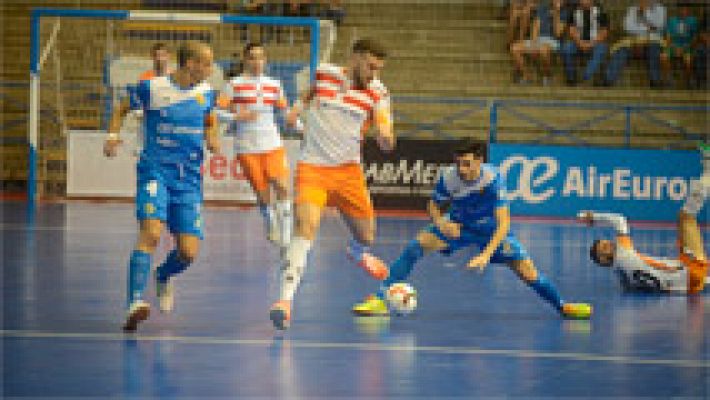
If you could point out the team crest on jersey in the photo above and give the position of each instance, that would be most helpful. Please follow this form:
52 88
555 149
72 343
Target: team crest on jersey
152 188
149 208
200 98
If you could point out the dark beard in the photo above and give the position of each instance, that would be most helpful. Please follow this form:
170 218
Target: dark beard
358 83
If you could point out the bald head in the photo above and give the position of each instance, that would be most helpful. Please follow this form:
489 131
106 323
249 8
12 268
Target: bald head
191 50
195 59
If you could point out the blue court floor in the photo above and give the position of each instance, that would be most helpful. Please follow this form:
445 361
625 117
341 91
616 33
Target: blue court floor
474 335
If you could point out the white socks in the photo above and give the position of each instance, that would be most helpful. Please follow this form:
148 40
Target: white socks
278 221
284 216
270 221
698 193
293 267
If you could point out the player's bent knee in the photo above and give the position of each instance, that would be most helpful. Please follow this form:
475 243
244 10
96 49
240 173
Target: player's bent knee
188 254
430 242
149 237
188 247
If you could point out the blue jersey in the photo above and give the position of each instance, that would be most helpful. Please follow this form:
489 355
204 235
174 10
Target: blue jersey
174 126
473 203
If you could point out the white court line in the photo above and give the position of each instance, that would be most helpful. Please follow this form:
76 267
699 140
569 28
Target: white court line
119 337
213 234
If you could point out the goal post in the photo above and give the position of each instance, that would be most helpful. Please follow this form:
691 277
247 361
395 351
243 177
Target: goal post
78 56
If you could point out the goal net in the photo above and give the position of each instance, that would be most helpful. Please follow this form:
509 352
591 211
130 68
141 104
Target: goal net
83 62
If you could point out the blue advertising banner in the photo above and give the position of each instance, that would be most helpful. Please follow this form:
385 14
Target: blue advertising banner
559 181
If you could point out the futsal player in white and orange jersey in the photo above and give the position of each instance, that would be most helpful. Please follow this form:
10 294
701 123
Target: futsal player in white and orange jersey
336 113
161 62
686 274
252 99
160 56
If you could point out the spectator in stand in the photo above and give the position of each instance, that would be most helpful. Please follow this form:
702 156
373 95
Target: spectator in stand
680 37
519 20
644 25
700 61
548 25
588 33
267 8
334 11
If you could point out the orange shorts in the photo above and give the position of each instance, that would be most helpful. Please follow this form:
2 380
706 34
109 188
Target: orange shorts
341 186
260 168
697 271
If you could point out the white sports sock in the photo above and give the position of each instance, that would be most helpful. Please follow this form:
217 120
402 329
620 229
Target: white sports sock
293 267
285 218
698 193
268 211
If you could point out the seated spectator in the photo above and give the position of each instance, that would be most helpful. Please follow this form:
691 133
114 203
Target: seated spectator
328 9
680 36
644 24
334 11
700 61
548 25
275 8
519 20
588 31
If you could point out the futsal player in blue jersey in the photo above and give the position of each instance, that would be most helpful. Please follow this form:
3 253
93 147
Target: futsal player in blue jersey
477 215
178 120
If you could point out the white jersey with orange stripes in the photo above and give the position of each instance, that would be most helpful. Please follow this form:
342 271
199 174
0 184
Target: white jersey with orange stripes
338 115
639 271
262 95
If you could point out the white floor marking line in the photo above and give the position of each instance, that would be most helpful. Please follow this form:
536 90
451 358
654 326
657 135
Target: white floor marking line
361 346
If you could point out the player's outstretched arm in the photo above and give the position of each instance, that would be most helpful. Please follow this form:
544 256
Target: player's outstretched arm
113 140
480 261
614 220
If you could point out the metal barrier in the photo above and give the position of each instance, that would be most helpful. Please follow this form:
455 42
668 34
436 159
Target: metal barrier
495 107
469 106
611 110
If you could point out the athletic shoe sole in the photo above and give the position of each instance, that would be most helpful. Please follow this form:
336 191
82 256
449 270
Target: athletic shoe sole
137 316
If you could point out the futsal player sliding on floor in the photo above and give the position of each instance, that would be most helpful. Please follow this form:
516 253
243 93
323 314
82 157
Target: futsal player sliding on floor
639 272
477 215
178 119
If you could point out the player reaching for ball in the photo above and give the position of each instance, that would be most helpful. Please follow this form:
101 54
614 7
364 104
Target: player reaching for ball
477 215
337 110
639 272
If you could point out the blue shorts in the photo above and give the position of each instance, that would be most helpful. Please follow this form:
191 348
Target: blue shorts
156 198
510 248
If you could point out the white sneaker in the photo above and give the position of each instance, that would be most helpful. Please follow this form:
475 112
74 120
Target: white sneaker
137 313
166 296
